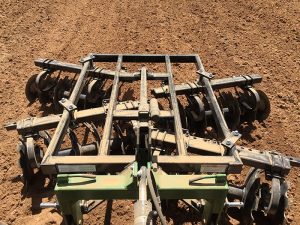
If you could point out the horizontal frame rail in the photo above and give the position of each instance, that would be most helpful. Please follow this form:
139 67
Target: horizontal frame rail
194 87
54 65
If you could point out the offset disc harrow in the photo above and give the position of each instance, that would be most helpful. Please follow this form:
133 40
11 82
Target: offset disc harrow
48 88
99 148
261 199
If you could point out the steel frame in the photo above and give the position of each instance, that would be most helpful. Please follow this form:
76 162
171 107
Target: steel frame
72 189
227 155
52 164
117 175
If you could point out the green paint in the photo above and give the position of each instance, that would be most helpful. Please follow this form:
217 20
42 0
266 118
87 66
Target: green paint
71 188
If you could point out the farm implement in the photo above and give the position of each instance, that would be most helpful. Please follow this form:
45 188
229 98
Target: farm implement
169 142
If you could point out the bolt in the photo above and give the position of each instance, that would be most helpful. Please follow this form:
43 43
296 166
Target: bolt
154 213
235 133
154 167
139 173
228 142
198 204
70 107
234 204
45 205
63 100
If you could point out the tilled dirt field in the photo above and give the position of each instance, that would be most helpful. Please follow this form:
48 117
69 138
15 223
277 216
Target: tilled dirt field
232 37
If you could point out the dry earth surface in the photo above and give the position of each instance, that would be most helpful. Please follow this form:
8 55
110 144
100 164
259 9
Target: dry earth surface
232 37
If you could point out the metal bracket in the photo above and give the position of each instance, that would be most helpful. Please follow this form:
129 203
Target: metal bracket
280 165
232 139
87 58
68 105
205 74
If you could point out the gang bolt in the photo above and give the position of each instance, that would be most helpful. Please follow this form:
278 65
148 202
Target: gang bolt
235 133
228 142
139 173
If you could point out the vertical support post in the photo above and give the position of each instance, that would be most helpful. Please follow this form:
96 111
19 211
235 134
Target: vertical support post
64 122
181 148
104 145
143 107
143 122
71 211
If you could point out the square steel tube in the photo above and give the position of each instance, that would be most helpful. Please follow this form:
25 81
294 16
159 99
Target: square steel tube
199 164
53 65
146 58
181 145
193 87
116 163
104 145
35 124
64 122
212 100
91 164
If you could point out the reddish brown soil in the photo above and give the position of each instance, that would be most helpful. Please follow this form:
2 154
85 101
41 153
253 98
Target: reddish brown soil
232 37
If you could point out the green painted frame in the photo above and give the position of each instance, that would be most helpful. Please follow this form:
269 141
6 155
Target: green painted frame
72 188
